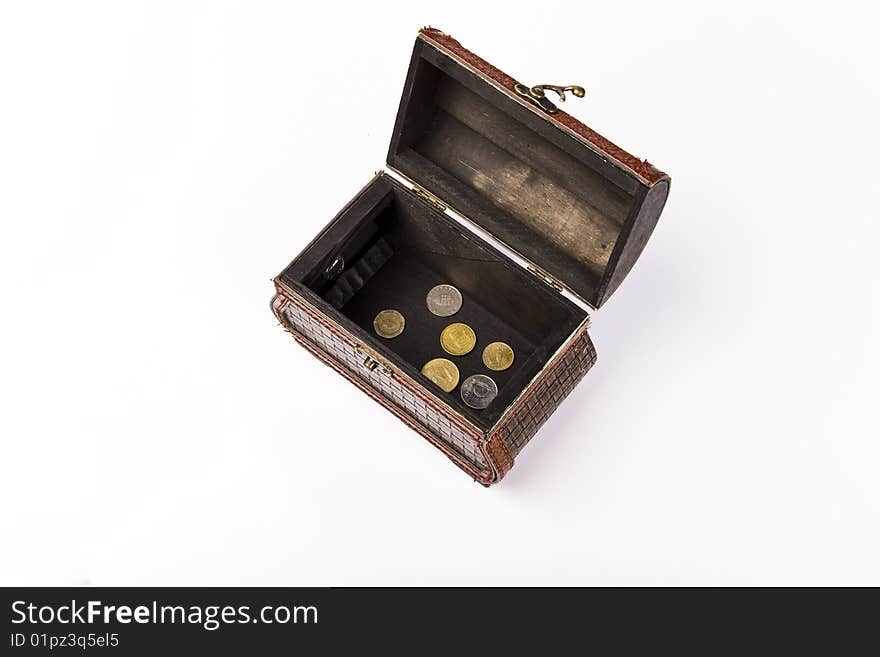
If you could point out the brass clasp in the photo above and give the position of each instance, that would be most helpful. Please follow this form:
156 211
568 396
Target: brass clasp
537 96
372 361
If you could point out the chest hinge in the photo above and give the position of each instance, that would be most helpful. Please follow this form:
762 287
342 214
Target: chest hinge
546 278
429 197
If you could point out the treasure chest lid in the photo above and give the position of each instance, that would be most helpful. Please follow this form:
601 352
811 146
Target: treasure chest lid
503 155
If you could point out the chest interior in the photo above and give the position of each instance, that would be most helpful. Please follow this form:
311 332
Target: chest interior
388 249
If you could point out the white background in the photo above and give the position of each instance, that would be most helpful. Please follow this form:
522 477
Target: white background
160 162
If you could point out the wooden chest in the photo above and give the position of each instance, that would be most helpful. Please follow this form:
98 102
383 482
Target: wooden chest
530 215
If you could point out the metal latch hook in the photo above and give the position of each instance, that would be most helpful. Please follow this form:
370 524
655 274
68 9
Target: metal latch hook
537 94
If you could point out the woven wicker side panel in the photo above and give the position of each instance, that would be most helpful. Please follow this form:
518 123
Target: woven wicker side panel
555 384
417 411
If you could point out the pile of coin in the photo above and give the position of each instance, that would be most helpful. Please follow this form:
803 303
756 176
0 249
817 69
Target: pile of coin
457 339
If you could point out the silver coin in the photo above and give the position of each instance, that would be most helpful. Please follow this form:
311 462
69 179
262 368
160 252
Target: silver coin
443 300
478 391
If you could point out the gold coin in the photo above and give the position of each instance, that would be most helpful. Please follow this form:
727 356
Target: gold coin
389 324
458 339
442 372
498 356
